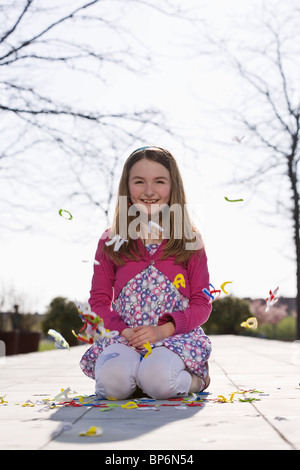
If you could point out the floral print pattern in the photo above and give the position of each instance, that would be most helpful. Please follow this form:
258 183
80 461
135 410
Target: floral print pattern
142 301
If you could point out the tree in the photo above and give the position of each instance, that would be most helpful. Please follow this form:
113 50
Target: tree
227 315
54 134
62 316
266 62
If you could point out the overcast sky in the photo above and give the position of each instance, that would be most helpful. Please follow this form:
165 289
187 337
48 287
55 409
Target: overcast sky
46 260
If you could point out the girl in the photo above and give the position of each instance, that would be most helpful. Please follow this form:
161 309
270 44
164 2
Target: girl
148 286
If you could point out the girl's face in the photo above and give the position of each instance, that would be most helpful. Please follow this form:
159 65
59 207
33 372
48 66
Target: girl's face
149 183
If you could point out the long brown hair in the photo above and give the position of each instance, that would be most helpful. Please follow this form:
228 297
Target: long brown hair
175 246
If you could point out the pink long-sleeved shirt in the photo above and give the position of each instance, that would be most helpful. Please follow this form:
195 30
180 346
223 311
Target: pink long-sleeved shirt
109 279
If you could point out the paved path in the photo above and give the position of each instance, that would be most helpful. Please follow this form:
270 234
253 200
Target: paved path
237 363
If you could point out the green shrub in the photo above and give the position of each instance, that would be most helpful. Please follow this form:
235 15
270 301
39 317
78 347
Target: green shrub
62 316
266 330
227 315
286 329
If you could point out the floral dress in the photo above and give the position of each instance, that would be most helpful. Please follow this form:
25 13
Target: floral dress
142 301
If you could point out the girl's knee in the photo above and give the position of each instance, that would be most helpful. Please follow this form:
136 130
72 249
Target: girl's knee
114 376
158 388
163 376
113 384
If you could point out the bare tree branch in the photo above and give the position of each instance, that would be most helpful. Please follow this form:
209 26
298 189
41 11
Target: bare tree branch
13 28
276 125
42 33
40 42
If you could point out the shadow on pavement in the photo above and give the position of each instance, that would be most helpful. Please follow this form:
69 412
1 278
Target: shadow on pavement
119 424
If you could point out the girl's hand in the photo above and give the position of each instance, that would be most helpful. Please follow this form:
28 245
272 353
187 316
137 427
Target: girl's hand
128 334
142 334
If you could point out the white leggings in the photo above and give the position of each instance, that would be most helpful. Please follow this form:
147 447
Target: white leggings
161 375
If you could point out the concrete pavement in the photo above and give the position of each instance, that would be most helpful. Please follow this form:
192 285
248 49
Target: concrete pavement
271 422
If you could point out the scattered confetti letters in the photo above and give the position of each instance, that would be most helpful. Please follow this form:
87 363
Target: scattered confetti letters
250 323
63 399
238 139
222 286
93 325
271 300
210 292
60 341
2 401
93 431
233 200
63 394
149 349
179 281
61 211
118 242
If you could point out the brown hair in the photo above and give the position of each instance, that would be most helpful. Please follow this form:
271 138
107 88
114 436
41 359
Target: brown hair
175 246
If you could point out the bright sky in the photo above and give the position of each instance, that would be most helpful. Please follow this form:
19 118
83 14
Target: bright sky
47 260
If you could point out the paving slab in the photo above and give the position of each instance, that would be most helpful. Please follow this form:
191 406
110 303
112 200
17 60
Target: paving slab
238 363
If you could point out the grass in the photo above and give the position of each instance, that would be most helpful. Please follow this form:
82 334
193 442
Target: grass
285 330
46 345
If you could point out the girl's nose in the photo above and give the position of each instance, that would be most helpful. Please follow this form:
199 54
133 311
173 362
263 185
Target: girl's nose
149 191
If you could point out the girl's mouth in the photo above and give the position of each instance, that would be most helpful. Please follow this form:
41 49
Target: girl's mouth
149 201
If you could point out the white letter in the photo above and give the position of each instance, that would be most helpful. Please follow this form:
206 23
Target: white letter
189 234
141 220
123 216
117 241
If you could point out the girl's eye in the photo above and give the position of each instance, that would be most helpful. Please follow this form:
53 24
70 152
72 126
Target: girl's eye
141 182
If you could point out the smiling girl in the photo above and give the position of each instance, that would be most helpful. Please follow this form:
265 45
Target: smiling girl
150 289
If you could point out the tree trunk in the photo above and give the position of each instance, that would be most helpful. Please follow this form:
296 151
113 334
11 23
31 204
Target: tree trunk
292 173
